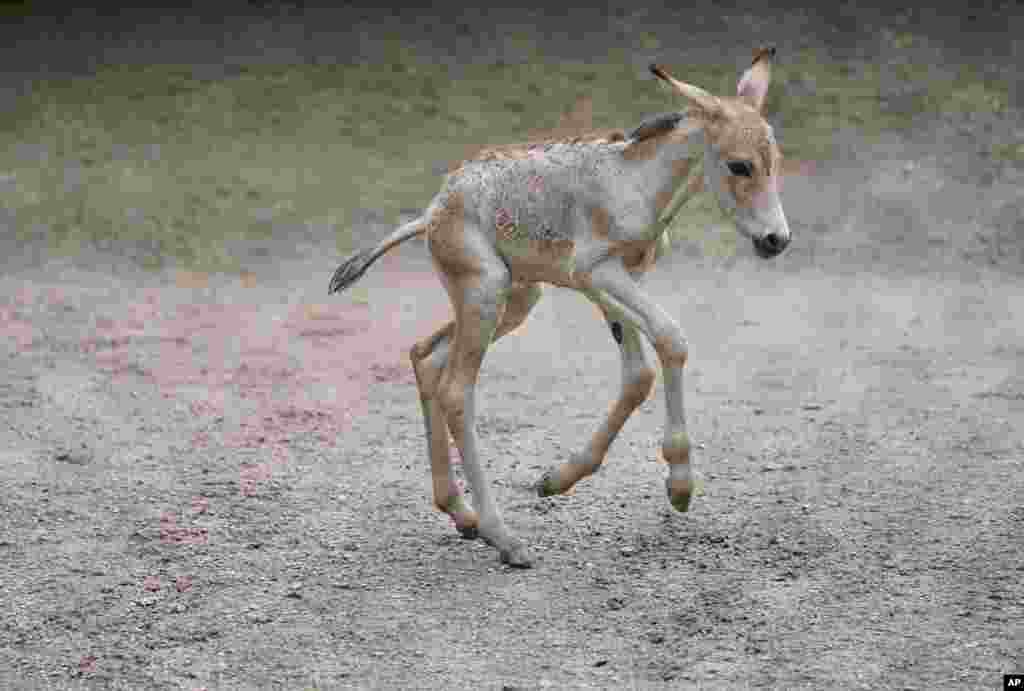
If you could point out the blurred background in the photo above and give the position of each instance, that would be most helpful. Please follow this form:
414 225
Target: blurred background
198 136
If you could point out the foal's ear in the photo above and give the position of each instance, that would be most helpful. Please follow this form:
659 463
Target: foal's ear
697 96
753 85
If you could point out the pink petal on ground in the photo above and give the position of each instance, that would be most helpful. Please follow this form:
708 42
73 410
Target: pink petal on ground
25 296
22 334
56 296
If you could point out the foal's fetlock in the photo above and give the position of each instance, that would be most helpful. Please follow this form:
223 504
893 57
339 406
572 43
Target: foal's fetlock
549 484
511 550
466 520
560 479
680 482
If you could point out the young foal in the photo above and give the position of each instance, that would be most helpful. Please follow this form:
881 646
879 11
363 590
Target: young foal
587 213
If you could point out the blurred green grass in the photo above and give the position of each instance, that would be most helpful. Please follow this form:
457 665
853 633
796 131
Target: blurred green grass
182 165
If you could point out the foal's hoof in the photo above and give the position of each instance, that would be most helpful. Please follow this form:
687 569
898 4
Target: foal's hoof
468 532
517 556
514 552
548 485
466 521
679 494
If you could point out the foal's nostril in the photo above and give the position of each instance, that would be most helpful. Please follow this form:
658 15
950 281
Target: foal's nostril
771 244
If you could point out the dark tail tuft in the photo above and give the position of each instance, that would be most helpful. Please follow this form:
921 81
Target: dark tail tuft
350 271
356 265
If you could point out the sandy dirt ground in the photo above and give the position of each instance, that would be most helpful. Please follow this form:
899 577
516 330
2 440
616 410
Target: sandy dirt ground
221 482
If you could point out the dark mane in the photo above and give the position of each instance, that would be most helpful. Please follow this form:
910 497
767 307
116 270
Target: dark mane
655 125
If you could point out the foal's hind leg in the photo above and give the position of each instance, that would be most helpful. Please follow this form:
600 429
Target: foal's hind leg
428 362
429 358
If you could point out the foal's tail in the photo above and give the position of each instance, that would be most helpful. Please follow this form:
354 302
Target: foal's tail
355 266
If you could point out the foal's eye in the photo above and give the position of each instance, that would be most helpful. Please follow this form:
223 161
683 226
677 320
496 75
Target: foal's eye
742 168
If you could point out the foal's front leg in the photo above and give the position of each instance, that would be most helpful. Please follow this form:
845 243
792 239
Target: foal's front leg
620 291
637 382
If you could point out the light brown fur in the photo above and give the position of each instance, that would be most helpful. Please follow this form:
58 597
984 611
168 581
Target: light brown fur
446 239
600 221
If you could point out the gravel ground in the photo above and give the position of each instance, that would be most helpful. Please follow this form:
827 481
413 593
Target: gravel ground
221 482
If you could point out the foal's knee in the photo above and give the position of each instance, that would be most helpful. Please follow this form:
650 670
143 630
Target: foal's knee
637 388
637 373
672 347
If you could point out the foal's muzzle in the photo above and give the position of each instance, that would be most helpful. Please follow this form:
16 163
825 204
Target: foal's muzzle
770 245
